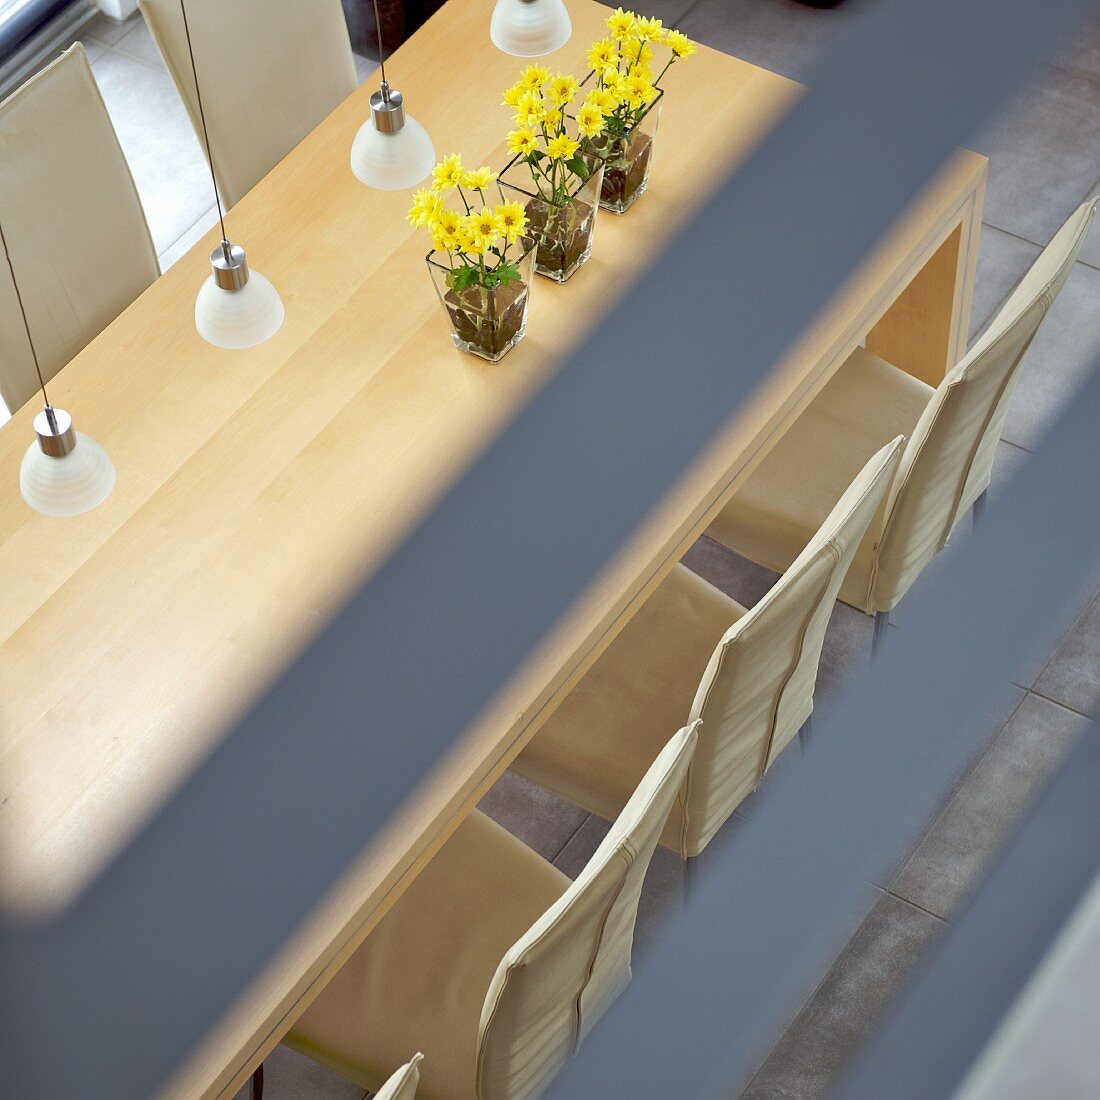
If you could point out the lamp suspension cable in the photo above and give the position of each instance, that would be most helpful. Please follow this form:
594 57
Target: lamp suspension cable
381 55
205 132
27 326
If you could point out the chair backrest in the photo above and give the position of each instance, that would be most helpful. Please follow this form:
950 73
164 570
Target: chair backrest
950 454
758 687
269 73
78 239
402 1085
559 977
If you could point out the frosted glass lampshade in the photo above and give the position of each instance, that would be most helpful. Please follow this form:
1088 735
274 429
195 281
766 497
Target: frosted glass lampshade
392 162
236 307
74 477
530 28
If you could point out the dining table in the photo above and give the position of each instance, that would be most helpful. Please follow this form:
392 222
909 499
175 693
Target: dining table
256 489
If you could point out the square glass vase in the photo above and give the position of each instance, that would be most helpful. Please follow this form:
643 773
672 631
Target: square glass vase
487 321
627 159
563 231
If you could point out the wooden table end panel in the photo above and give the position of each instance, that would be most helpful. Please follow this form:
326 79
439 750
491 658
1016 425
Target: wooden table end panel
924 332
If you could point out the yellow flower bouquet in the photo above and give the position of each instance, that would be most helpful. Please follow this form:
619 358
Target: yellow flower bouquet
481 260
624 87
554 179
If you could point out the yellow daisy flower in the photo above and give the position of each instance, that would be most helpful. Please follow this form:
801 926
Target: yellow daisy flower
602 100
523 141
679 43
531 110
445 228
562 90
615 85
513 95
639 91
589 120
649 30
484 228
468 242
603 55
534 77
621 24
637 52
447 173
478 179
426 204
561 147
512 219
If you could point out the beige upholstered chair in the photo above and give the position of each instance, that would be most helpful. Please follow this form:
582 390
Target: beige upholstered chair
493 959
75 228
402 1085
758 669
268 73
952 430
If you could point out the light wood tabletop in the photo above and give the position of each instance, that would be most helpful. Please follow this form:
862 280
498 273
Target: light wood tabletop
255 488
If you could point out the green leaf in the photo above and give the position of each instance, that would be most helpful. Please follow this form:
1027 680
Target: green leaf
506 273
578 167
462 277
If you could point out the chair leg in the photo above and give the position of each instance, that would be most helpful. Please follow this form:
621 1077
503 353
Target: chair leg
978 509
882 621
257 1092
805 734
690 872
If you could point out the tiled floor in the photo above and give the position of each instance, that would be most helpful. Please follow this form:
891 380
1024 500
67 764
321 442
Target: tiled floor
1045 159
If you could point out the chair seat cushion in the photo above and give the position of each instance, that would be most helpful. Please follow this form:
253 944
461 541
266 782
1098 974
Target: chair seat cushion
419 980
597 746
774 514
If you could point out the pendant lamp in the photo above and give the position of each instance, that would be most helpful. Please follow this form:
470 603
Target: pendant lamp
530 28
64 472
236 307
391 151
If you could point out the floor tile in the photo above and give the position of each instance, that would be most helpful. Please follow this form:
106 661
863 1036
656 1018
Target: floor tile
1008 701
850 1001
955 852
1073 675
737 577
671 11
845 655
1090 250
1058 361
1083 53
108 30
1002 262
1008 461
160 146
138 42
775 34
1044 153
571 860
92 48
195 233
1047 1045
540 819
289 1075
